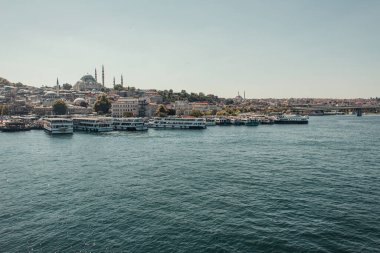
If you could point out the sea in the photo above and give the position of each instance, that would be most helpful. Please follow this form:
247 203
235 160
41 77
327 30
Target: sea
270 188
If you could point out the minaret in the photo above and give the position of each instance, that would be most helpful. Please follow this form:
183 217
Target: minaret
244 95
121 80
57 87
96 76
103 75
114 82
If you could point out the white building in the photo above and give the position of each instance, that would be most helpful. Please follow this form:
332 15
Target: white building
136 106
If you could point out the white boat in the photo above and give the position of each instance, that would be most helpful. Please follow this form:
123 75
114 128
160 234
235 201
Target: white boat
210 122
250 121
93 124
222 121
129 124
177 123
58 125
292 119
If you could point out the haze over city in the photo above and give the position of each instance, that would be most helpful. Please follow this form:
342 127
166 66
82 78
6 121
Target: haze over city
265 48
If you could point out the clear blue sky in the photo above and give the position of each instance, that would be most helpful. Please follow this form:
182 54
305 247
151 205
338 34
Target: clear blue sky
275 48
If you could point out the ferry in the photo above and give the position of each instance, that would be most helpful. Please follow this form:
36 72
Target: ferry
14 126
177 123
58 125
210 122
93 124
292 119
265 120
129 124
237 121
223 121
250 121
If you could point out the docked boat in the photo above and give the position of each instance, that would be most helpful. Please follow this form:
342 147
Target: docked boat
292 119
59 125
237 121
14 126
177 123
93 124
265 120
210 122
129 124
250 121
223 121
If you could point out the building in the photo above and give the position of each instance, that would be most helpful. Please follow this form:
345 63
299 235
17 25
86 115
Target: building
182 108
87 83
136 106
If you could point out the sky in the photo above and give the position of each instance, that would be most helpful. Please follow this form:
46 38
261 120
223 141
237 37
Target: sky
267 48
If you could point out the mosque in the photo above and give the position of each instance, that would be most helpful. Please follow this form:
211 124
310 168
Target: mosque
88 82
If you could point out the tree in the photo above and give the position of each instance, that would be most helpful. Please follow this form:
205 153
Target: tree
222 113
67 86
104 89
5 110
59 107
196 113
102 104
171 112
161 111
128 114
229 101
118 87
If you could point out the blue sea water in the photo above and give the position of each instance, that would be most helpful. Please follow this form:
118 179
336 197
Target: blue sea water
279 188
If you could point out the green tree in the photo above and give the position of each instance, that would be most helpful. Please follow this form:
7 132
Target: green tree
222 113
59 107
161 111
118 87
67 86
229 101
171 111
196 113
128 114
102 104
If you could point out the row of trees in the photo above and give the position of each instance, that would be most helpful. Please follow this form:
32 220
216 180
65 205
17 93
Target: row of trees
170 96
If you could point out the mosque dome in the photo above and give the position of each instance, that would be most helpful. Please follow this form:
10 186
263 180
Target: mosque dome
50 93
88 78
78 101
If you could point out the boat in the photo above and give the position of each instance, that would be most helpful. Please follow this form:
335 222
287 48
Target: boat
264 119
177 123
129 124
14 126
291 119
210 122
237 121
250 121
58 125
93 124
223 121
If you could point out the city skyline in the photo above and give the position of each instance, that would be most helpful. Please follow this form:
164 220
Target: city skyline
267 49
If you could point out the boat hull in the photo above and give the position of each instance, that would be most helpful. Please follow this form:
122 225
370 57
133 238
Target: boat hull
131 128
177 127
294 122
63 130
94 129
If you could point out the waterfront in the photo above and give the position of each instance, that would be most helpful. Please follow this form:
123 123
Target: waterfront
275 188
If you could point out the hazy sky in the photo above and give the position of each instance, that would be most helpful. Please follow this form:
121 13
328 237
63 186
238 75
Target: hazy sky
269 48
